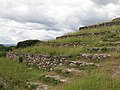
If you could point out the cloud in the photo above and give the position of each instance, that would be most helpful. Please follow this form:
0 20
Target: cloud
12 31
105 2
46 19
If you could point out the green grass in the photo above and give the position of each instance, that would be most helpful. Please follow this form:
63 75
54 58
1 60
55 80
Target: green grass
15 70
76 39
53 50
17 73
93 80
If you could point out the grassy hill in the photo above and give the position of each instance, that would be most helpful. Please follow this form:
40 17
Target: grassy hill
93 62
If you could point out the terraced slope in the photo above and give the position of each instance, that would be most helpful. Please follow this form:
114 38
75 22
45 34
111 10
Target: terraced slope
84 60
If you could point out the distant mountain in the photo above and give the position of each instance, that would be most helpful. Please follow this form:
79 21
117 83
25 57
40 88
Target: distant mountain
7 45
1 45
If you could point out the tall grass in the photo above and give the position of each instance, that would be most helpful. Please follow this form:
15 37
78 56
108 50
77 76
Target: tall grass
17 74
53 50
93 81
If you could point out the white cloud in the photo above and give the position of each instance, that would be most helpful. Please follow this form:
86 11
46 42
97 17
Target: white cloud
14 31
46 19
104 2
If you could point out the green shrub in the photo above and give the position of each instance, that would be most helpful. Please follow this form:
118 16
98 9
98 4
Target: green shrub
27 43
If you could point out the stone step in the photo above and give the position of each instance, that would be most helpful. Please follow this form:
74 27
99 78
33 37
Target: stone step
93 56
113 43
84 35
53 79
68 71
64 71
78 64
101 43
113 39
101 49
70 44
100 25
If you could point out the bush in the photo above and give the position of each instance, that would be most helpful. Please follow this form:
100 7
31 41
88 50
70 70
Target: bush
3 50
27 43
2 54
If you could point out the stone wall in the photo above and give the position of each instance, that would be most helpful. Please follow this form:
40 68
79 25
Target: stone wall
94 56
38 60
84 35
69 44
100 25
101 49
113 39
50 62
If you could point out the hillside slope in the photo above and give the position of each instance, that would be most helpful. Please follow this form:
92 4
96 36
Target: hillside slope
84 60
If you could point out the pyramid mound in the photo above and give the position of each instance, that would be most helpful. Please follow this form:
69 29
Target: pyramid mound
87 59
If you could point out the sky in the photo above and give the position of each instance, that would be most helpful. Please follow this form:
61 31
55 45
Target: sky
46 19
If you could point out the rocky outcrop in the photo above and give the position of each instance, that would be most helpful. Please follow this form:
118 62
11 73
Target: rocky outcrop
100 25
38 60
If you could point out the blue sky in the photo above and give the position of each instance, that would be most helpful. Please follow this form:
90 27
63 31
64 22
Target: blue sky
47 19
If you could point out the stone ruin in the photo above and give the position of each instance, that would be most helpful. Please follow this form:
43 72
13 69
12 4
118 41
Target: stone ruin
99 49
82 64
50 62
84 35
38 60
115 21
94 56
69 44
